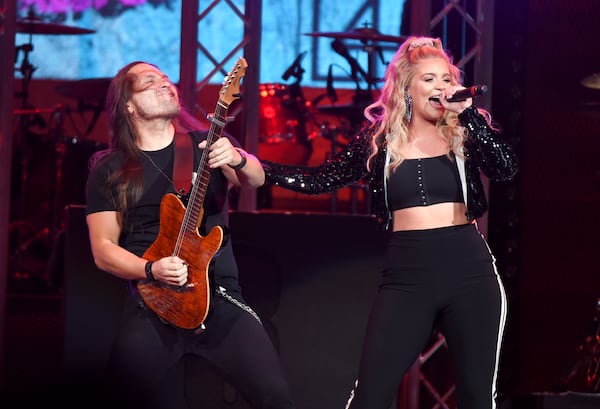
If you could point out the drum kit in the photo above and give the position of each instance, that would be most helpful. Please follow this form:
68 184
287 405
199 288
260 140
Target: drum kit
289 123
297 131
45 160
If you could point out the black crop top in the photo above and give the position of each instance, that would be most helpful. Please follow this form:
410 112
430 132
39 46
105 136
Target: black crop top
423 182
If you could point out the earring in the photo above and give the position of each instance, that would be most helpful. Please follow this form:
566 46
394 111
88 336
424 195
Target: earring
408 101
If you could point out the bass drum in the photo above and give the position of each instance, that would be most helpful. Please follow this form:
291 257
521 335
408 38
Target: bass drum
280 127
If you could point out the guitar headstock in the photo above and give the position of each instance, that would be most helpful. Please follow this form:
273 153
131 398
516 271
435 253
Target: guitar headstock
230 91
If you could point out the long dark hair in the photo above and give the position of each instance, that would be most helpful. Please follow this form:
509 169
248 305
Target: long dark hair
124 184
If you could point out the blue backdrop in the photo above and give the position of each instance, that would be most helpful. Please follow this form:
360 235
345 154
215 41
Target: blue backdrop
127 30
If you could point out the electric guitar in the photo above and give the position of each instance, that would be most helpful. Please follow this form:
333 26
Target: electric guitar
186 306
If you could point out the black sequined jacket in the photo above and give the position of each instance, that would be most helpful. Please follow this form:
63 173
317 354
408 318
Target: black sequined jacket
484 151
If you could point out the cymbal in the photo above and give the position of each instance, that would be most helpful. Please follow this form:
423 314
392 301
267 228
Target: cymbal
364 34
92 90
592 81
35 26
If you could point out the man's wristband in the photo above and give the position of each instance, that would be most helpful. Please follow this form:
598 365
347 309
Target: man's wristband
148 270
242 163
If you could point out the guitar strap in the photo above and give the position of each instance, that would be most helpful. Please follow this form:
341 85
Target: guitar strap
183 166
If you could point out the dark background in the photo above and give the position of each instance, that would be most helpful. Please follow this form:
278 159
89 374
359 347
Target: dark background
543 226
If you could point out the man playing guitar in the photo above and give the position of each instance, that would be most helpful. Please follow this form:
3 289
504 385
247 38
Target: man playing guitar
184 295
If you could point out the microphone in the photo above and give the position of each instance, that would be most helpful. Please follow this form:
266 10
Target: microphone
340 48
294 66
330 90
470 92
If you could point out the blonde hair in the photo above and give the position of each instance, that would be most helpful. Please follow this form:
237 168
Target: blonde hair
387 113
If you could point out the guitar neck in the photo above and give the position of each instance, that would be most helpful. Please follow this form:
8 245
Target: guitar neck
203 172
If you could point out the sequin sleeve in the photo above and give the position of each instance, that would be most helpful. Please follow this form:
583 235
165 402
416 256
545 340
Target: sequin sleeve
347 166
486 148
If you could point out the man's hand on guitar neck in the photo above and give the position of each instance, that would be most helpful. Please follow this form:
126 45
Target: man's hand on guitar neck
222 153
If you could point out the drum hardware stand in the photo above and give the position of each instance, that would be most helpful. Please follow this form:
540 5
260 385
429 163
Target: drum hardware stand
53 272
294 102
58 133
31 234
28 116
26 69
361 99
297 103
331 133
588 363
25 234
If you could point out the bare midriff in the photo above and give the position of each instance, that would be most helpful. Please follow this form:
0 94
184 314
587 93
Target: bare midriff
429 217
